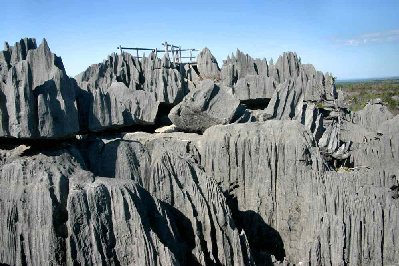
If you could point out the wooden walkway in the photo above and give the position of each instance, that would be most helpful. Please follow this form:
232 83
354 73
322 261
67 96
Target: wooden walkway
179 55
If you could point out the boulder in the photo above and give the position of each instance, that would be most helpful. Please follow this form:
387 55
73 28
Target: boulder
208 105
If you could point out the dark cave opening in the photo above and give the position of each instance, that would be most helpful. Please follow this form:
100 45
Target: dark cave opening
162 118
10 143
256 104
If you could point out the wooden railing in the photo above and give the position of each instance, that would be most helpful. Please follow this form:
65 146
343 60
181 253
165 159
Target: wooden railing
176 52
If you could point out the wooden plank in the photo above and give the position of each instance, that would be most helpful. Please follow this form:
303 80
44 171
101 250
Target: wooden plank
134 48
150 49
177 56
170 45
181 62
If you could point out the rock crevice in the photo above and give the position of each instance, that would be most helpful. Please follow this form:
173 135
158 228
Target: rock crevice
253 163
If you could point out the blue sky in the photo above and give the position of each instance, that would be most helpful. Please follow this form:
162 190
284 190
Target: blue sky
351 39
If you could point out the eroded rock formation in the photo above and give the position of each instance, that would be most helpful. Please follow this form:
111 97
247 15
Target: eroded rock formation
207 106
257 164
37 98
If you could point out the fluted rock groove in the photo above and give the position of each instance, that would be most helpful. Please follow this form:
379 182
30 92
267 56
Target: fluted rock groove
143 161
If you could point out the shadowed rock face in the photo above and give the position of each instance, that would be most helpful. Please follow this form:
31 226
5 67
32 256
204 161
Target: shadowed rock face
266 167
277 171
37 98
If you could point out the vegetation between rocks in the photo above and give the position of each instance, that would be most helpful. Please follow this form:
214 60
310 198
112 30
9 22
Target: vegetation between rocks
358 93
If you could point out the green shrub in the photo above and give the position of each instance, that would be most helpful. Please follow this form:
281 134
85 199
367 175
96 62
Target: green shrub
357 94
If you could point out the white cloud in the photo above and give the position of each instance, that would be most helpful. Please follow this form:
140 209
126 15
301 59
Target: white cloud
374 37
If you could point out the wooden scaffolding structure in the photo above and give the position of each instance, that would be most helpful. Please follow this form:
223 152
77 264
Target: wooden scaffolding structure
176 52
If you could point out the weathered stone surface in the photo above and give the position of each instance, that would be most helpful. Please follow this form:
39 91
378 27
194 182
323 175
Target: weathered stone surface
56 212
163 79
287 100
256 79
123 91
37 98
254 87
192 77
319 87
248 77
321 217
119 223
116 68
372 116
312 119
264 166
288 67
167 166
117 106
252 81
238 66
294 178
207 106
330 140
355 219
377 150
207 65
34 191
390 126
